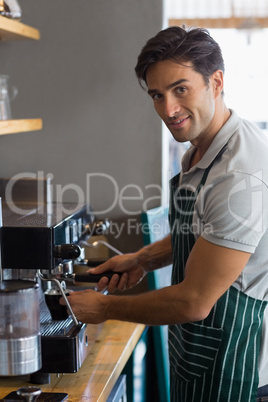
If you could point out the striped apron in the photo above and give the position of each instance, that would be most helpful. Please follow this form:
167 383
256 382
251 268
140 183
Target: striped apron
214 360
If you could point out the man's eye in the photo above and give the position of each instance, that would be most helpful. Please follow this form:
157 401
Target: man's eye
156 96
180 90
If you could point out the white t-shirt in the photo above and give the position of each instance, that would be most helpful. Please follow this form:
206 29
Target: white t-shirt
232 208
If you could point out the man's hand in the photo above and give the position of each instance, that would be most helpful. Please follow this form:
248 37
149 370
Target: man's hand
130 267
87 305
134 266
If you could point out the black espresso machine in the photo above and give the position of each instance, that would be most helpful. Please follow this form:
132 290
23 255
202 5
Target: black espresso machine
40 244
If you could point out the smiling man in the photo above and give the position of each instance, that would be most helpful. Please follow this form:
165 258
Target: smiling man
218 242
192 109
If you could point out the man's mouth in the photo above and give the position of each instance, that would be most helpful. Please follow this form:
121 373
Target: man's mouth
178 122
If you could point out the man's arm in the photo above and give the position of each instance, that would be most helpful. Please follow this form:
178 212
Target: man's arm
156 255
210 271
135 266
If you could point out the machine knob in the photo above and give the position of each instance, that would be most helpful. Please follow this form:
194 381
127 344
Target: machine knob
67 251
29 394
97 228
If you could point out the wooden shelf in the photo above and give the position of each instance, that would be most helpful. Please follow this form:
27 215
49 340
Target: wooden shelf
232 22
17 126
15 30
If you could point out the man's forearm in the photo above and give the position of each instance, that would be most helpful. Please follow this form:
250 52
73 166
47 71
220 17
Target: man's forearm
169 305
156 255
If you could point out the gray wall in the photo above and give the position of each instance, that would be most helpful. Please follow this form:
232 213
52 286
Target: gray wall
79 78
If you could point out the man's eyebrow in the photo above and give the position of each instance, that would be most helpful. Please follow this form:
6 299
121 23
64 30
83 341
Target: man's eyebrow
173 84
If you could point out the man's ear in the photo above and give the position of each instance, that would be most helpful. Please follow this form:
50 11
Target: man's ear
217 82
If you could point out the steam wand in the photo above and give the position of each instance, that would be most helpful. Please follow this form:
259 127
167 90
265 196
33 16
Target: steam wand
97 242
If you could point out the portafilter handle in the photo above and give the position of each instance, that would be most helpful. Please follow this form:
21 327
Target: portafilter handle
93 278
29 394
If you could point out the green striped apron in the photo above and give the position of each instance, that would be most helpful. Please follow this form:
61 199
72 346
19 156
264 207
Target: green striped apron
214 360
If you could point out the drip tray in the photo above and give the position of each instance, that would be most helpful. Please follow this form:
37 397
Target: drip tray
63 343
63 347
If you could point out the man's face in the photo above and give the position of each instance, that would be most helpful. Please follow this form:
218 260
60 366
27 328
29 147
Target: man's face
183 100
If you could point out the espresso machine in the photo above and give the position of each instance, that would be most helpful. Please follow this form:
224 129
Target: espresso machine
40 246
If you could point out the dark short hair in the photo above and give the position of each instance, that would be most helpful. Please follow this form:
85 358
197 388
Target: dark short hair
181 45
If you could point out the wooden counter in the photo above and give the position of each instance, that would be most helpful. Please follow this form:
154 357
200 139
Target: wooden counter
99 372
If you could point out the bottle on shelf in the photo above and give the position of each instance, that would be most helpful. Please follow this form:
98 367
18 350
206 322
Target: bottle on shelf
10 9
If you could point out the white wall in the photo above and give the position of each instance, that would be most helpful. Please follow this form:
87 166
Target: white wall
79 78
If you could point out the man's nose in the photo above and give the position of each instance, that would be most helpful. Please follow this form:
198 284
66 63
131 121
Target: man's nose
171 107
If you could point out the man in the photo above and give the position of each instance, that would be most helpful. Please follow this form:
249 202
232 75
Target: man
215 307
